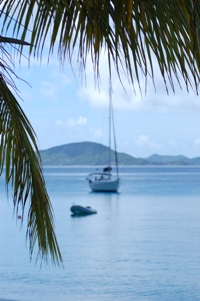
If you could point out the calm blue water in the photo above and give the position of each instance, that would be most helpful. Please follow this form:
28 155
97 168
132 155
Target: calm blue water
143 244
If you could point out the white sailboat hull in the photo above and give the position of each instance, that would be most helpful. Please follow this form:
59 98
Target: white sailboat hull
111 185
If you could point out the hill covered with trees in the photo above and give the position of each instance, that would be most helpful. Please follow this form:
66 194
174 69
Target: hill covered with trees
91 153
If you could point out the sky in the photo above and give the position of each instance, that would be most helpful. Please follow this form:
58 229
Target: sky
64 108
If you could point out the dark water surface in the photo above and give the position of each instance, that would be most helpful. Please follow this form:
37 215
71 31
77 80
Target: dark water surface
143 244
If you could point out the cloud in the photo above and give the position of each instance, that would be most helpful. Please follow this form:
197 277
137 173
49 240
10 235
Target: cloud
178 145
127 97
144 142
62 79
48 90
96 133
72 123
81 120
197 142
173 142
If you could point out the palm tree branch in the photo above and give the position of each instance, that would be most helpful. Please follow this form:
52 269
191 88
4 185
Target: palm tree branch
20 156
168 29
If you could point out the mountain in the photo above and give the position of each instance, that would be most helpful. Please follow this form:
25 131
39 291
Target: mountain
169 160
85 153
195 161
91 153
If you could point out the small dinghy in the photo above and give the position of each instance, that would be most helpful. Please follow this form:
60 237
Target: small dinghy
80 210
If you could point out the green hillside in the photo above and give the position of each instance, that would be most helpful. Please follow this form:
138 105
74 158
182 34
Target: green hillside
169 160
195 161
85 153
91 153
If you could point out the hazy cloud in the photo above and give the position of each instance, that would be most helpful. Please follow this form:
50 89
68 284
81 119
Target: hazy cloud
173 142
71 122
96 133
144 141
127 97
197 142
81 120
48 90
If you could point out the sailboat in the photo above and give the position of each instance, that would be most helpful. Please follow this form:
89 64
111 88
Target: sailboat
104 181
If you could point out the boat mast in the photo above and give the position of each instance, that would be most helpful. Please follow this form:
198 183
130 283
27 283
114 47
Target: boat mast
109 125
112 128
115 144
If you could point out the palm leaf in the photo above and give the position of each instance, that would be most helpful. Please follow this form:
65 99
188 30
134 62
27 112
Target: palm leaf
20 157
133 32
13 41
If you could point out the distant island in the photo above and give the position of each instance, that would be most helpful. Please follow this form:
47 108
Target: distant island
96 154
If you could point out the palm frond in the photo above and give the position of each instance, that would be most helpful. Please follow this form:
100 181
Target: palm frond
20 157
132 31
13 41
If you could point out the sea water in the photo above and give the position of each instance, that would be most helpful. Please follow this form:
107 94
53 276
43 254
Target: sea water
143 244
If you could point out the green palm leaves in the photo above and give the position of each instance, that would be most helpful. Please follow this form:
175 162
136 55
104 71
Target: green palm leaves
23 172
132 31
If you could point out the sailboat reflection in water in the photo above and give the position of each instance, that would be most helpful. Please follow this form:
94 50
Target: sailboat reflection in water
105 181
